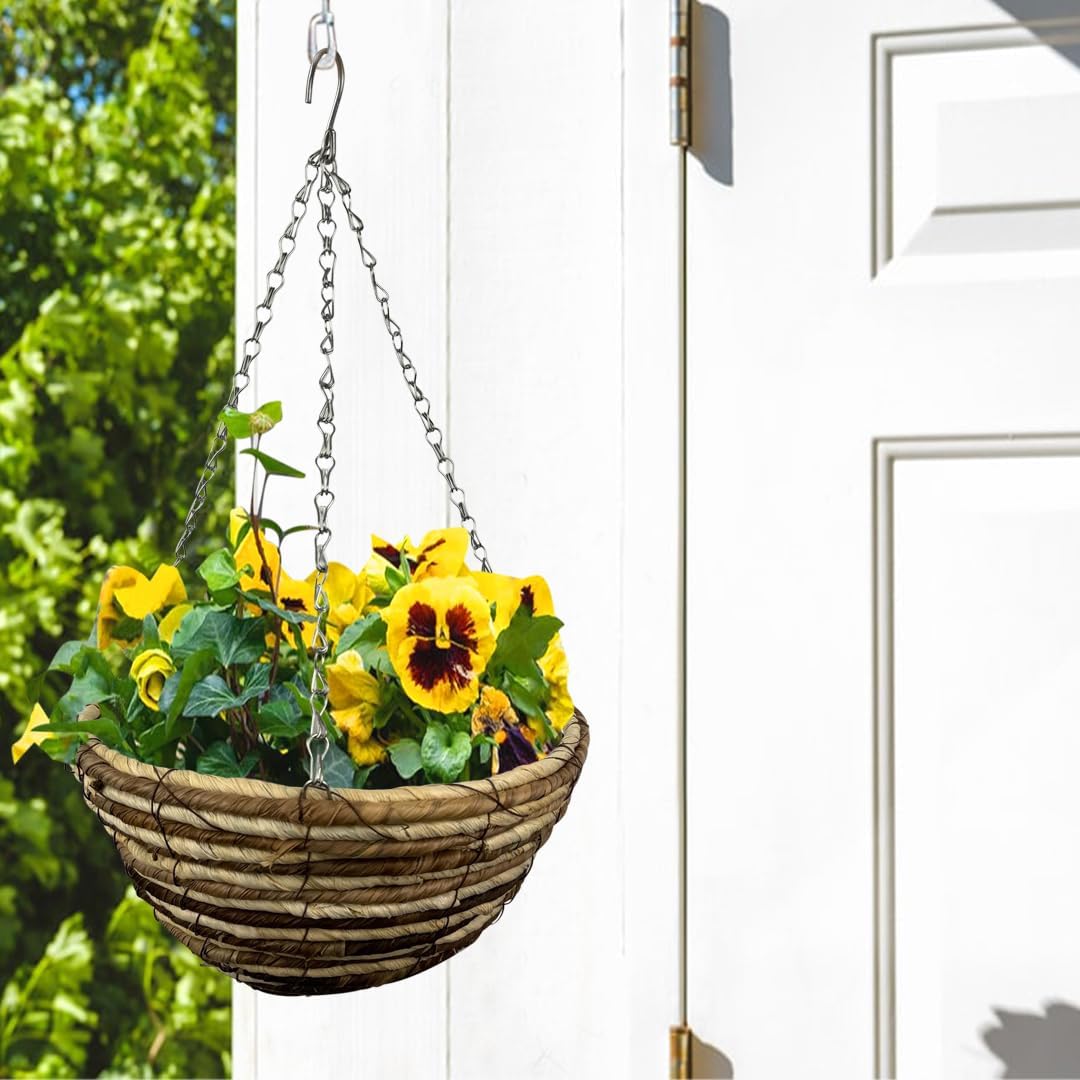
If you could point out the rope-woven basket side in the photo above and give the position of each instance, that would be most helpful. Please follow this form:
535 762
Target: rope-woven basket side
312 891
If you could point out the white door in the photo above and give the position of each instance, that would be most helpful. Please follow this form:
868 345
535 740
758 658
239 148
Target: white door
511 165
884 540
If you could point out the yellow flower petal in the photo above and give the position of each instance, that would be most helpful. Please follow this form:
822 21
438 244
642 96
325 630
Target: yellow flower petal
439 638
554 665
366 752
150 669
30 736
142 597
340 583
342 589
440 554
492 712
118 577
350 685
508 594
172 621
362 595
298 597
258 569
357 721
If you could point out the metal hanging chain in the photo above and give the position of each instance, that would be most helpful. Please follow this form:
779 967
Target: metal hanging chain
275 279
318 742
421 402
322 167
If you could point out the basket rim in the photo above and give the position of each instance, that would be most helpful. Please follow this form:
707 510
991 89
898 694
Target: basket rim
575 732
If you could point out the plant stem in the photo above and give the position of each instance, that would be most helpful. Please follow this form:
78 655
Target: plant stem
255 443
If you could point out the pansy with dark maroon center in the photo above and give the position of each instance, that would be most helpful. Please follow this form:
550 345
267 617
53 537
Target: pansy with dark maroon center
439 637
442 653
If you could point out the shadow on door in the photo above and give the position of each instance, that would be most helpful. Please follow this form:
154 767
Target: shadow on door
1037 1046
712 109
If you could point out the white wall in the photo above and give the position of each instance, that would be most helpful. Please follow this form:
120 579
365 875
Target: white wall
511 165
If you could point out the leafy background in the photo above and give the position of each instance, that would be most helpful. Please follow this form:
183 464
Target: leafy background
116 285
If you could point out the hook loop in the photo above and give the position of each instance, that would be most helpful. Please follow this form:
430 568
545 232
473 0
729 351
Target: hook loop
329 50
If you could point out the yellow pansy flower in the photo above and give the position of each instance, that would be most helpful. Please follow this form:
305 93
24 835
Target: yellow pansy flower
354 697
126 593
150 669
262 568
348 594
439 638
495 716
31 736
440 554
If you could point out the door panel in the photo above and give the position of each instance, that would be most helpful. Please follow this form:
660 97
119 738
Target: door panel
801 360
986 680
974 174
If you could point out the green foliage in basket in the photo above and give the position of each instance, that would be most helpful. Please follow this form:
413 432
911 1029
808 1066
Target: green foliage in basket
436 673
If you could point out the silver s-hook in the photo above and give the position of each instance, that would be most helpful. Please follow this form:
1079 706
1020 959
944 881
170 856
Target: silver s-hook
329 138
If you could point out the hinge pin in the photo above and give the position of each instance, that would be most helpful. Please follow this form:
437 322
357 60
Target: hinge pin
680 1052
679 81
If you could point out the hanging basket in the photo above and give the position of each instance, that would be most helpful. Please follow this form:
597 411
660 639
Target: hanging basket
315 890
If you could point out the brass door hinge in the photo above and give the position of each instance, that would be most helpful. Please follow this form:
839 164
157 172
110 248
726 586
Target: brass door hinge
679 75
680 1052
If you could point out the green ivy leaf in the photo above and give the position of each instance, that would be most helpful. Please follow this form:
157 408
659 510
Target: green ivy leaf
405 754
339 770
219 759
526 692
281 719
213 694
523 642
444 753
232 640
67 656
219 571
105 727
302 696
178 686
209 697
189 627
272 466
94 683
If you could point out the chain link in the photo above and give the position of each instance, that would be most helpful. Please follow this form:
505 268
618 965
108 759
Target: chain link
421 402
318 738
275 279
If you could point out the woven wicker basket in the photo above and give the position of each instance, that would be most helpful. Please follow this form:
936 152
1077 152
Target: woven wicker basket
310 891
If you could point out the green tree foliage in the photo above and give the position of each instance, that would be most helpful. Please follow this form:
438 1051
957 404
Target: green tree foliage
116 286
